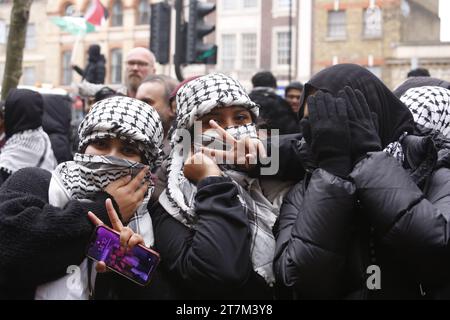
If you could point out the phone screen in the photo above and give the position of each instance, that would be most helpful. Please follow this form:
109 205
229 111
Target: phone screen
137 264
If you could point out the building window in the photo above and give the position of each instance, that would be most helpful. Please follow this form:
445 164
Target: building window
283 4
229 4
249 51
373 22
144 12
283 42
228 51
116 66
250 3
2 70
337 28
29 76
66 68
3 32
70 10
235 5
117 14
30 41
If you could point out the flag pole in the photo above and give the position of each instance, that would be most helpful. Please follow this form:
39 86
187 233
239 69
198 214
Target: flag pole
78 38
75 47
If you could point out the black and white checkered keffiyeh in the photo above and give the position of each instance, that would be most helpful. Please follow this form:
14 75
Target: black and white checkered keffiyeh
194 100
126 119
86 175
430 107
29 148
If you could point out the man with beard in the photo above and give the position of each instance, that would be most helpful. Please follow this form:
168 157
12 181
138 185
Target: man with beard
140 63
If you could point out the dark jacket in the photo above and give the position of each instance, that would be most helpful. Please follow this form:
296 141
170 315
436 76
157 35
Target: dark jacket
331 230
95 69
56 122
39 241
274 112
213 261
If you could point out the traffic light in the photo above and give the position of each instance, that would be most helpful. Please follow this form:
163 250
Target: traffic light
196 50
160 31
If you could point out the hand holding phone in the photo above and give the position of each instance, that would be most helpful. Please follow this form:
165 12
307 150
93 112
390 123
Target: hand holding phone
121 250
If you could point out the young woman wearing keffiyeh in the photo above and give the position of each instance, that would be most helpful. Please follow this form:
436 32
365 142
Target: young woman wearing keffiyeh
44 224
213 224
378 197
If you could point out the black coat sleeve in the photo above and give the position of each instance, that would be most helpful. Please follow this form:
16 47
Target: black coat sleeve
39 241
216 255
286 153
415 225
78 70
313 235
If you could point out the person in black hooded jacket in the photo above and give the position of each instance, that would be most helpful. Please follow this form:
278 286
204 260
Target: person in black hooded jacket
95 69
378 195
27 144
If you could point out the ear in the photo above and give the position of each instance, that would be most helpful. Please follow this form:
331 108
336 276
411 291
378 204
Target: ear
173 107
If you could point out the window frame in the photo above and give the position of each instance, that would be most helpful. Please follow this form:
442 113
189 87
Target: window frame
114 68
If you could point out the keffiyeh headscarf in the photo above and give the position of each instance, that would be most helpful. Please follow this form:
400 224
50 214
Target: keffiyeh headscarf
127 119
430 107
118 117
27 144
194 100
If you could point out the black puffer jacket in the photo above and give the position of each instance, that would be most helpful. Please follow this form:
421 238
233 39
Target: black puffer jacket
212 262
331 231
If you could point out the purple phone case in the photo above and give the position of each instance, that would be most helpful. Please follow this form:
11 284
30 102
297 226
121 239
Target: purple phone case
137 264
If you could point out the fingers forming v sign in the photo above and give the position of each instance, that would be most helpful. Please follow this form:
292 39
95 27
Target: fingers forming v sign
128 239
243 152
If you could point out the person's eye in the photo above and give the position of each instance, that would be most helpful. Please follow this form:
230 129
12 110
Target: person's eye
242 117
101 144
130 151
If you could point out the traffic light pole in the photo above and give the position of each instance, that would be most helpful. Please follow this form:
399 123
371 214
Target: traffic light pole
180 54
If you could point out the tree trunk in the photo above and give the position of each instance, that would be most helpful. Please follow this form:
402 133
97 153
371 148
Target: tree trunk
16 42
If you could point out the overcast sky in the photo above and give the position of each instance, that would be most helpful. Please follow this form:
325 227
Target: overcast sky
445 19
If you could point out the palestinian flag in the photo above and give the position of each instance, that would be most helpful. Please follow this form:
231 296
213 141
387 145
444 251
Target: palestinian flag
96 14
73 25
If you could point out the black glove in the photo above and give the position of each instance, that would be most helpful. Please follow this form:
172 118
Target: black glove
327 132
363 129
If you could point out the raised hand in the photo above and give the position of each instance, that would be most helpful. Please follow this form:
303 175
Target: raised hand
128 239
243 153
129 193
363 124
327 130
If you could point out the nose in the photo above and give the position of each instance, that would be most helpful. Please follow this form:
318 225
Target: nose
228 122
114 152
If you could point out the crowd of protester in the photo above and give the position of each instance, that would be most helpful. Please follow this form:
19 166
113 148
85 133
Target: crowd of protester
362 181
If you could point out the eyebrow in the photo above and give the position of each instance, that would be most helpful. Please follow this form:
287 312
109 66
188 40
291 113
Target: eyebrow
213 113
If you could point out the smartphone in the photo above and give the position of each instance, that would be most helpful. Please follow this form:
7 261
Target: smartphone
137 264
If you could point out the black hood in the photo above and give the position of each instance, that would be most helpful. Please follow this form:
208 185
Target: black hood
23 111
394 118
417 82
94 52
